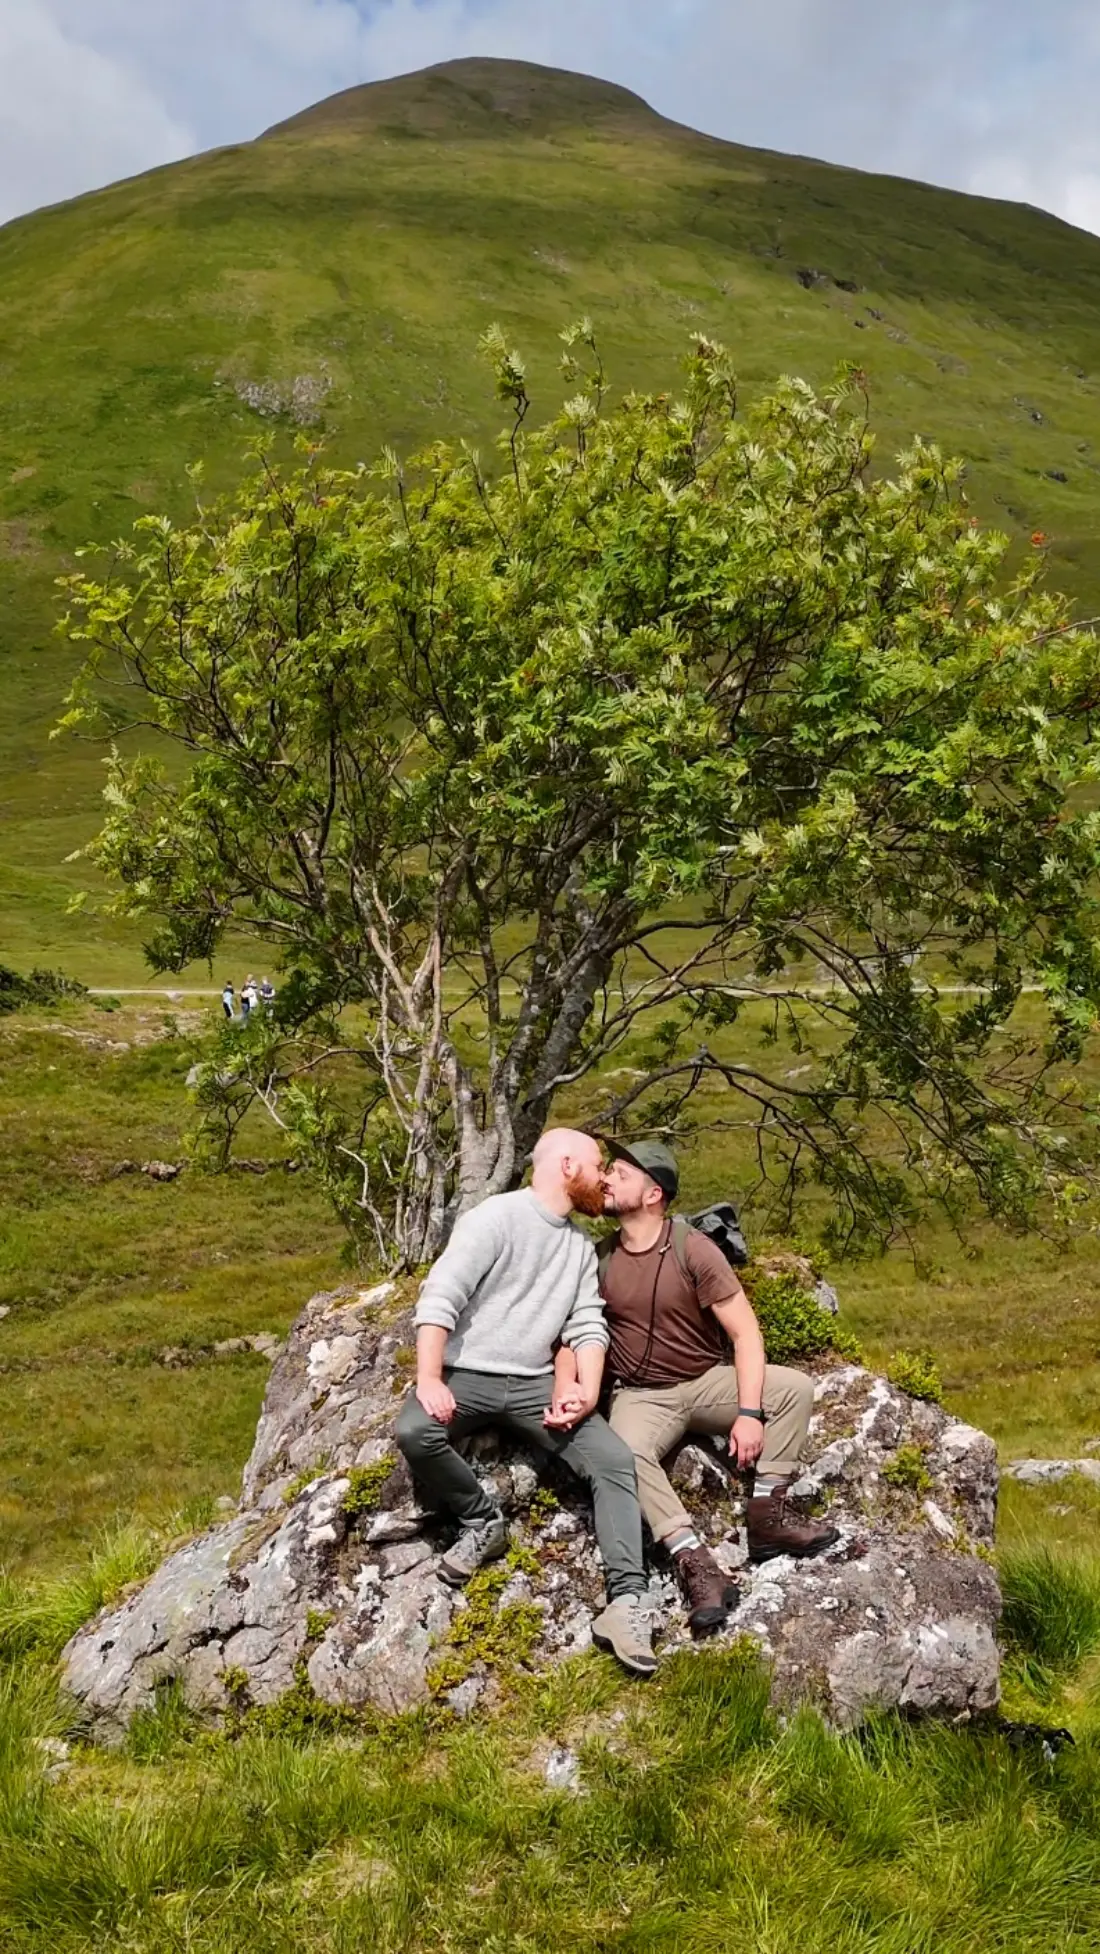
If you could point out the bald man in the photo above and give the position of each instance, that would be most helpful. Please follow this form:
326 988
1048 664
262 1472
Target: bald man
517 1278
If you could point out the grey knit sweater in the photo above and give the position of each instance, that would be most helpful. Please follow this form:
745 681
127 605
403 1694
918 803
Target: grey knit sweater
513 1280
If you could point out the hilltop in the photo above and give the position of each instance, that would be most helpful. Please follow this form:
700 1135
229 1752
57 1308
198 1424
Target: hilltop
336 273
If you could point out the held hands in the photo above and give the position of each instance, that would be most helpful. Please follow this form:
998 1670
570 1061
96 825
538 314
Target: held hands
436 1399
746 1441
569 1405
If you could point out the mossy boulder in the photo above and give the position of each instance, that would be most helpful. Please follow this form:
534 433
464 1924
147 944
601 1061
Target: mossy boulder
325 1586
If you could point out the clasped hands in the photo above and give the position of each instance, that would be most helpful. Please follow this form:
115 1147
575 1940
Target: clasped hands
569 1406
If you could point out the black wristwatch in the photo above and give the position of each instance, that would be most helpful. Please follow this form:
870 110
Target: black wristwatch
744 1412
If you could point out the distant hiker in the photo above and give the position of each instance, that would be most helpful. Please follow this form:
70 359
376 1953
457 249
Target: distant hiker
228 1000
674 1307
267 994
517 1276
249 998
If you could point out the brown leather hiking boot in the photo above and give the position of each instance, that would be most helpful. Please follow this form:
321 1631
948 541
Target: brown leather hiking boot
710 1594
773 1531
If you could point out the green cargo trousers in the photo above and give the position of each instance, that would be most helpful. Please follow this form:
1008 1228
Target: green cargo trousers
591 1450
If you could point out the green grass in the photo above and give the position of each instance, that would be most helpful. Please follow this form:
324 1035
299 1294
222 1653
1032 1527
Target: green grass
103 1273
374 239
38 1617
1052 1605
1051 1631
701 1824
1012 1323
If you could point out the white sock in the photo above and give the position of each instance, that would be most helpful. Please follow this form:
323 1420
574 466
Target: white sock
767 1482
684 1542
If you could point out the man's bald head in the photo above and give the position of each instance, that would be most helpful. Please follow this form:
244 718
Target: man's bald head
567 1168
560 1143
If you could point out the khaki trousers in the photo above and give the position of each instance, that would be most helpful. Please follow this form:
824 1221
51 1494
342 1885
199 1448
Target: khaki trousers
652 1419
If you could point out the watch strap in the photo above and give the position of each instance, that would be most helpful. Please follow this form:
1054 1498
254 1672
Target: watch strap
744 1412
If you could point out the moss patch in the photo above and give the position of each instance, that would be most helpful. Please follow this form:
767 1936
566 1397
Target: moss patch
365 1484
300 1713
502 1639
303 1479
543 1507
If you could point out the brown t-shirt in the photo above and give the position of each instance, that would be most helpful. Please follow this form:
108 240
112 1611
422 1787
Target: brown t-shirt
687 1339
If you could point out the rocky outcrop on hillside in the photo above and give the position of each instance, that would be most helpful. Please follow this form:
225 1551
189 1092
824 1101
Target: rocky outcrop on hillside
325 1583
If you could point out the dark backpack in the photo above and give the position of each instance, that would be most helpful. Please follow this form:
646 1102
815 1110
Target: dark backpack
721 1224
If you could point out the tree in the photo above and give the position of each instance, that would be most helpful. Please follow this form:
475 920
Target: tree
678 706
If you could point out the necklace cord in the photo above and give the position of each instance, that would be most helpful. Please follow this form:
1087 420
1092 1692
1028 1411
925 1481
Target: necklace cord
636 1376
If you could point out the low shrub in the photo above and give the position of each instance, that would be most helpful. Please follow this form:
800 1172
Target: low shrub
907 1471
298 1716
365 1485
544 1505
503 1639
915 1373
302 1479
41 987
793 1324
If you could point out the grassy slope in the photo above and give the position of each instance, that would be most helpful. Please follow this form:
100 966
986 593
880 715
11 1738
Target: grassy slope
101 1274
374 237
704 1824
378 236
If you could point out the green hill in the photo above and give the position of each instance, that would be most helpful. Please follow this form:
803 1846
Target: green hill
337 273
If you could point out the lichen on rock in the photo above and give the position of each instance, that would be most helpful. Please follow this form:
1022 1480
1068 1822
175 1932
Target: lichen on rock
325 1581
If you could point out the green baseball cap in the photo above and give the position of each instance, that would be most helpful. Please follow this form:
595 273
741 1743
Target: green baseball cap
658 1161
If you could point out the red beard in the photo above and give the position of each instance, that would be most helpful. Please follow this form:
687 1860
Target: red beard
586 1193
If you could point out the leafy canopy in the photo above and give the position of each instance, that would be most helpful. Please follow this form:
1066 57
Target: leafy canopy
674 706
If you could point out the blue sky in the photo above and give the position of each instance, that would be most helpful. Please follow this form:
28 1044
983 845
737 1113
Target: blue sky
985 95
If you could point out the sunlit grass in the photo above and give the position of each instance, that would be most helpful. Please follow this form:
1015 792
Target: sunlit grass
38 1617
701 1821
704 1822
103 1273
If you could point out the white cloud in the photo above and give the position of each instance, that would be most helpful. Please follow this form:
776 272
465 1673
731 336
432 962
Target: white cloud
991 95
1079 200
71 117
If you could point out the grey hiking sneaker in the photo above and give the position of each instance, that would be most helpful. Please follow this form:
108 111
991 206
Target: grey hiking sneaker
626 1628
475 1547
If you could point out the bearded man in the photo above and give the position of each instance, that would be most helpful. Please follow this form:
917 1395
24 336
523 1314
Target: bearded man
517 1279
686 1355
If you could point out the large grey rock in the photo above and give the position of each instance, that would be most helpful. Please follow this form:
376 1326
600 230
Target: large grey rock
329 1572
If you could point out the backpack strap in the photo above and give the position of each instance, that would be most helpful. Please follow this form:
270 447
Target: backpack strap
681 1229
605 1249
678 1241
